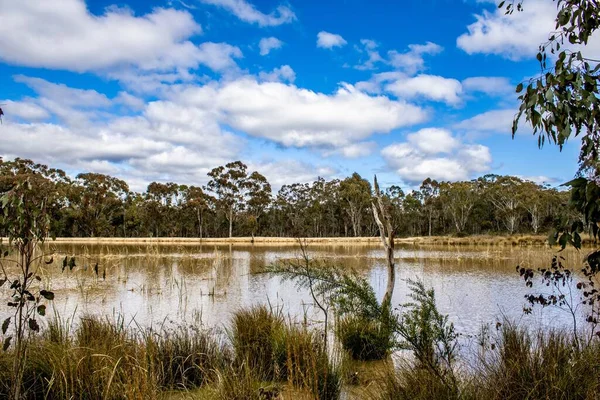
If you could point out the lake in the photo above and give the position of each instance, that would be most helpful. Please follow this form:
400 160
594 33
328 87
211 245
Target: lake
149 285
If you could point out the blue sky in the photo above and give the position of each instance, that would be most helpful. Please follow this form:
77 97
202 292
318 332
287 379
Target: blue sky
166 90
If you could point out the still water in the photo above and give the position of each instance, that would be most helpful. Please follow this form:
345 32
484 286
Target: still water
149 285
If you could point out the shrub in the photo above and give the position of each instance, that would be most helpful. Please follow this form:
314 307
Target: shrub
364 339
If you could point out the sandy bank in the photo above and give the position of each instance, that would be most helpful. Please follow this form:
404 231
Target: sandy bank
523 240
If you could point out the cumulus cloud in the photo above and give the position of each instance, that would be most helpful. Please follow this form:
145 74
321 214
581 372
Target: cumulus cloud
490 121
490 85
354 150
412 61
248 13
328 40
26 110
369 48
65 35
287 171
82 98
437 154
292 116
285 73
194 127
515 36
218 56
431 87
269 43
519 35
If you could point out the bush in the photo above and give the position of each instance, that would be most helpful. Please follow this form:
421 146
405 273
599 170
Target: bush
364 339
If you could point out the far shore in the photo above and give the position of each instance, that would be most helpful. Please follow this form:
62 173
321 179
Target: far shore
483 240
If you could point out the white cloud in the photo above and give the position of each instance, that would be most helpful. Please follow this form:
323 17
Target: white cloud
412 61
490 121
374 85
130 101
292 116
433 141
490 85
437 154
513 36
283 172
431 87
248 13
26 110
354 150
269 43
218 56
285 73
65 35
519 35
152 83
369 47
183 135
328 40
82 98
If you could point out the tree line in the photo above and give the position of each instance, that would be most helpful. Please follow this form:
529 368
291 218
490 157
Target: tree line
239 202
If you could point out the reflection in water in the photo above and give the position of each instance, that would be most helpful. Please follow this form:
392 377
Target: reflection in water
179 284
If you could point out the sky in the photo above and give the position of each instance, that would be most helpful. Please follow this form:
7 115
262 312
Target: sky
167 90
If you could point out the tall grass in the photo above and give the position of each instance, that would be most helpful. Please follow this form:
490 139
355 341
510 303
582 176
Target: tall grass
519 365
540 365
104 360
270 349
269 357
257 337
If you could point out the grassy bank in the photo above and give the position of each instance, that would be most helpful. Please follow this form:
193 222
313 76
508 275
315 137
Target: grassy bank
483 240
264 356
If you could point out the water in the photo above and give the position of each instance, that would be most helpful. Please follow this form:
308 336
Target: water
162 284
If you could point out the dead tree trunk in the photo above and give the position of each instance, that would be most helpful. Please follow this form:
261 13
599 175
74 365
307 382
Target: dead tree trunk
384 222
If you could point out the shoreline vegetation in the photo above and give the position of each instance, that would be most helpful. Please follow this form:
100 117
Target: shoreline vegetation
262 355
476 240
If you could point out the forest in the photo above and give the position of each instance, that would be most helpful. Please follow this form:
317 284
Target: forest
239 202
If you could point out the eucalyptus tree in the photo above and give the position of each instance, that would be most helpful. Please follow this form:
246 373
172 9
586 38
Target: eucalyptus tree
430 191
199 202
29 194
234 191
356 193
563 101
395 196
258 198
506 195
458 198
293 201
96 200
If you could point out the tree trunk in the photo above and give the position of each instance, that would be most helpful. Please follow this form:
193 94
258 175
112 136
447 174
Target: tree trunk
430 217
383 220
231 222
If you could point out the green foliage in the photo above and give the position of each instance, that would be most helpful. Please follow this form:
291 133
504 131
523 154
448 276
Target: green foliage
99 205
427 333
364 339
565 97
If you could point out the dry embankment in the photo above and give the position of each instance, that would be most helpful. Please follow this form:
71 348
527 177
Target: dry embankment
486 240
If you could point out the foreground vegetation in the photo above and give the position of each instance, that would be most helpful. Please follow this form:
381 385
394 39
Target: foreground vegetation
263 356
